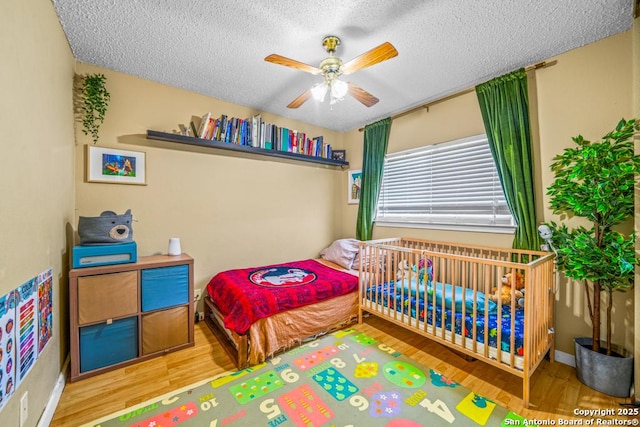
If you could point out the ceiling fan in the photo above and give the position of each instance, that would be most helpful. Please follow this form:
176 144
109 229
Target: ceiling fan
331 68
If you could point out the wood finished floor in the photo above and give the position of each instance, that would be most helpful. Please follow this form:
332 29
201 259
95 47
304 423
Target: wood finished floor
555 390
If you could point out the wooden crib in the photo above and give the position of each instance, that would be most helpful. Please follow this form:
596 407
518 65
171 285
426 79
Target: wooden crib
413 282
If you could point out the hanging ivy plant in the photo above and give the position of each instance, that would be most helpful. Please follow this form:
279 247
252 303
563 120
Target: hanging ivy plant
94 100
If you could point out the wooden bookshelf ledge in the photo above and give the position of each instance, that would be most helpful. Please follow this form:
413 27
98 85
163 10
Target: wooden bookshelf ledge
189 140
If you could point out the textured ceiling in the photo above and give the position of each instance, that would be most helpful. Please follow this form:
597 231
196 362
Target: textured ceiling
217 48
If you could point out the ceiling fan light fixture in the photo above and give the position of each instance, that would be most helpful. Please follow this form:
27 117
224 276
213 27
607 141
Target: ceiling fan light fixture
319 91
338 89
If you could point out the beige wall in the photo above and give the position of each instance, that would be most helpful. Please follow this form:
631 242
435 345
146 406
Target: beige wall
587 91
37 150
228 211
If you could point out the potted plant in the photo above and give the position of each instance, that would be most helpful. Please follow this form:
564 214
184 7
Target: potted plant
595 181
92 100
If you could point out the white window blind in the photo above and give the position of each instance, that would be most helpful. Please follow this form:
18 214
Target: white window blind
448 185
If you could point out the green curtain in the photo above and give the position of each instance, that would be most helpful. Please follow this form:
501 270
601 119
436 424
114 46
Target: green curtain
504 104
376 139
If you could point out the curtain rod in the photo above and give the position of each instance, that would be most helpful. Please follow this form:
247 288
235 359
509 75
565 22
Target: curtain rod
537 66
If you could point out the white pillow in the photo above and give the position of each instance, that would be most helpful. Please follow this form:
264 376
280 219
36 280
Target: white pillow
341 252
366 263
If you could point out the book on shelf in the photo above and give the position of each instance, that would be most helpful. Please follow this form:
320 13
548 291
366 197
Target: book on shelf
210 128
245 138
216 130
284 139
275 137
240 132
230 127
237 132
255 130
204 124
246 132
318 148
234 130
302 140
268 136
261 134
195 125
222 128
239 140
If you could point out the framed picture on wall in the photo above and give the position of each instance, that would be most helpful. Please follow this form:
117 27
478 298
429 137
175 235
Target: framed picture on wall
355 182
339 155
110 165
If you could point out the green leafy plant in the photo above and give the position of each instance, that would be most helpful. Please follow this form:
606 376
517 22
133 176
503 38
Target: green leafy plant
596 181
92 104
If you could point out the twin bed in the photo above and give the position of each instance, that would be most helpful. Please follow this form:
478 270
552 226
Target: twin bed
258 312
438 290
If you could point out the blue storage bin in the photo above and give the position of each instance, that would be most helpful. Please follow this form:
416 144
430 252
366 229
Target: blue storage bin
103 344
165 287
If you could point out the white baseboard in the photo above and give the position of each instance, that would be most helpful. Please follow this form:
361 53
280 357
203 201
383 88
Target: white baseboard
565 358
52 404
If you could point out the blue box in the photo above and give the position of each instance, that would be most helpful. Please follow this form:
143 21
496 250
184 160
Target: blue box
95 255
164 287
107 344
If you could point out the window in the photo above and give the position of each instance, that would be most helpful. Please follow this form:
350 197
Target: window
452 185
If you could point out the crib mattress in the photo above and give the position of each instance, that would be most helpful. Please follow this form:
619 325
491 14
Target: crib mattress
387 295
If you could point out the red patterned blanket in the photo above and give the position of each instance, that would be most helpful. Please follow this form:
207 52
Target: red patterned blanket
247 295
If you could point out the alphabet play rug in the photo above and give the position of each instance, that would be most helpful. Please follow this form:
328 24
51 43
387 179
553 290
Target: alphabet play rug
342 379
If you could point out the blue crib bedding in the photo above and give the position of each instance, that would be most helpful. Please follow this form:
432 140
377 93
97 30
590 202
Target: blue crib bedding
399 296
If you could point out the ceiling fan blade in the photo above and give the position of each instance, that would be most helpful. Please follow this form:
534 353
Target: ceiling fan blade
377 54
287 62
362 95
300 100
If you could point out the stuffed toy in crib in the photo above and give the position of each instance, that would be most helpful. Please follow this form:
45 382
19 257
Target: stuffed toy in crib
509 281
417 270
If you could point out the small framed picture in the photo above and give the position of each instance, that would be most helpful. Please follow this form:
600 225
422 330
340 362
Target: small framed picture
355 183
110 165
339 155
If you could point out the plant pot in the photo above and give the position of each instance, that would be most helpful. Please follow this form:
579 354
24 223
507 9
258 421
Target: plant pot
611 375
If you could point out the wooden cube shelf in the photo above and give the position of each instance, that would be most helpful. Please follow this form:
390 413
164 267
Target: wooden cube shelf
125 313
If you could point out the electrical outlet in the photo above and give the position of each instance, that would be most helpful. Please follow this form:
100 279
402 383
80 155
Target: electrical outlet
197 294
24 408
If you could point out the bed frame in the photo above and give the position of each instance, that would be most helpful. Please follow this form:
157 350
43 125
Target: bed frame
475 268
236 346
